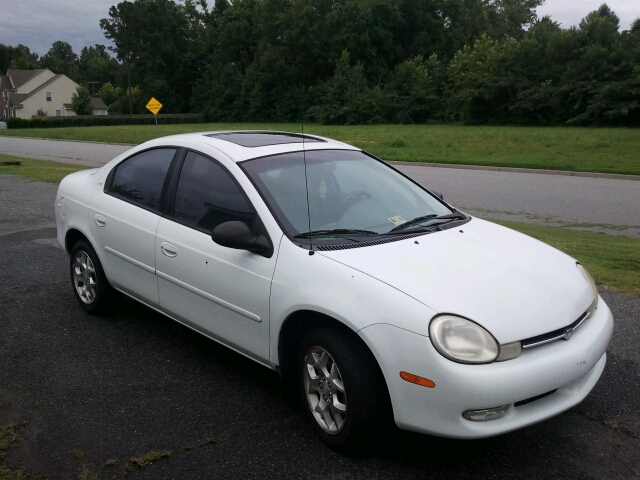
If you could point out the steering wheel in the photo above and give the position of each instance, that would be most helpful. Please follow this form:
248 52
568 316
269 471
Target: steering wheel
350 200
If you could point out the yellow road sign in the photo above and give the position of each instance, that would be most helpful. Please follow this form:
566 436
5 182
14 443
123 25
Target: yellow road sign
154 106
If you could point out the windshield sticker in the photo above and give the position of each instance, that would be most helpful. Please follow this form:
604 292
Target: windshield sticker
397 220
322 189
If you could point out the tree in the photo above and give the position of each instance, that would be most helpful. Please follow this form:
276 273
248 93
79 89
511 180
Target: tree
80 101
414 89
61 59
95 65
110 94
120 28
346 98
22 58
483 82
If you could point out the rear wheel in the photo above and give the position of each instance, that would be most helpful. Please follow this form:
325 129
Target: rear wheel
89 282
343 389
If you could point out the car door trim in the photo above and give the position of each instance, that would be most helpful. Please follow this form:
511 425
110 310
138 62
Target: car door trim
209 297
126 258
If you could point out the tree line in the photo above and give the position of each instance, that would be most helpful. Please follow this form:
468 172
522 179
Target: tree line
358 62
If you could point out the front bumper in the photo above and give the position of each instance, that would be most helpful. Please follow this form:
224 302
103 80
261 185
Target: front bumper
572 368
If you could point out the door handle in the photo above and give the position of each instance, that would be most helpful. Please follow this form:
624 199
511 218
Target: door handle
168 249
100 220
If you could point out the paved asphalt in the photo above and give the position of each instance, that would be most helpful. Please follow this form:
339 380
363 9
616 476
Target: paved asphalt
82 153
86 390
597 204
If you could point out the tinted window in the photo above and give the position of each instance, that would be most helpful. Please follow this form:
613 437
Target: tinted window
140 178
207 195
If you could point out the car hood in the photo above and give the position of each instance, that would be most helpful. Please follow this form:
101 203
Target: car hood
513 285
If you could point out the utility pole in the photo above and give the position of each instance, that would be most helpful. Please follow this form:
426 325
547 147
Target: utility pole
92 87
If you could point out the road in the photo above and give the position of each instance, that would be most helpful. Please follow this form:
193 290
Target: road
596 204
93 392
80 153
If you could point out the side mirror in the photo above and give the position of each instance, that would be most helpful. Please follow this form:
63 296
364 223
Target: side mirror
238 235
437 194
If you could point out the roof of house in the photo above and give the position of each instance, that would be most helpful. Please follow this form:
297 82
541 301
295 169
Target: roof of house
5 82
20 77
95 102
16 99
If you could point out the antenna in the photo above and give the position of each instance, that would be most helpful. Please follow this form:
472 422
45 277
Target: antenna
306 180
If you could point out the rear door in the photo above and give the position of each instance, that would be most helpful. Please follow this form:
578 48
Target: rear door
126 218
220 291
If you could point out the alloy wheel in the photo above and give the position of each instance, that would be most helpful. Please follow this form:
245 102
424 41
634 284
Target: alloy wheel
84 277
324 389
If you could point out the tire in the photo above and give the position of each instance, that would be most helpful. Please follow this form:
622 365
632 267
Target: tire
89 283
348 402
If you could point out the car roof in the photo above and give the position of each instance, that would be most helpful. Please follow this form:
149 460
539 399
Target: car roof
240 145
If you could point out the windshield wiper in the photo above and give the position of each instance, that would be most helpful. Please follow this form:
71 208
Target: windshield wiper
450 217
336 231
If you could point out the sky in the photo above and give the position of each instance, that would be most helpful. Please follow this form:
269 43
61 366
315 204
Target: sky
39 23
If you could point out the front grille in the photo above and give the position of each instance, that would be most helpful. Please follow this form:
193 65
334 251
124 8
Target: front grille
562 333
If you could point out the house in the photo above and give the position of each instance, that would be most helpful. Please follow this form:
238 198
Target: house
28 93
98 107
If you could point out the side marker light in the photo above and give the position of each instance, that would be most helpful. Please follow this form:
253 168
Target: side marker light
411 378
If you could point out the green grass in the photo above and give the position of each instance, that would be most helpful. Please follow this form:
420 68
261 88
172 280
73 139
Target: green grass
9 437
150 457
613 261
39 170
558 148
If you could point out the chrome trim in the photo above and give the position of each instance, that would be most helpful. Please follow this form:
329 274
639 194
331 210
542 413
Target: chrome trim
583 319
566 332
542 342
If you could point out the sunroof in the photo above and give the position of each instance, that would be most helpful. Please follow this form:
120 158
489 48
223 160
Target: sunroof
262 139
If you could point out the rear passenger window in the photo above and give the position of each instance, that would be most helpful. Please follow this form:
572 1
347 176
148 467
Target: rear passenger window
207 195
139 179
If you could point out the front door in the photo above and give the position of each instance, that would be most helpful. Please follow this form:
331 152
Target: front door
219 291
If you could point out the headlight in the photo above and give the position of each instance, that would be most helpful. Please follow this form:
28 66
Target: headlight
463 341
590 282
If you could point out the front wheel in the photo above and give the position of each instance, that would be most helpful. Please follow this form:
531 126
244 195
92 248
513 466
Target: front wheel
343 389
90 284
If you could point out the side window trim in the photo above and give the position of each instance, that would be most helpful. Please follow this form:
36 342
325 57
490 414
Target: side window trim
158 211
174 188
170 186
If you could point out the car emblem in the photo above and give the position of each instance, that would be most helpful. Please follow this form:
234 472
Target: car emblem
567 333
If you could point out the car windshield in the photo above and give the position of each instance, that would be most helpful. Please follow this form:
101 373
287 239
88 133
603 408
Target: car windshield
349 194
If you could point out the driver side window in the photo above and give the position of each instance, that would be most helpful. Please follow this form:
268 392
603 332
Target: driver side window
207 195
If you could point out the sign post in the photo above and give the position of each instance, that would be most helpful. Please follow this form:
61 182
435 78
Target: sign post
154 107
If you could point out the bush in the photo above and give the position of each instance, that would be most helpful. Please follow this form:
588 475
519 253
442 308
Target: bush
103 120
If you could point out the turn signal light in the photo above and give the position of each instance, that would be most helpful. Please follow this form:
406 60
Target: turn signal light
411 378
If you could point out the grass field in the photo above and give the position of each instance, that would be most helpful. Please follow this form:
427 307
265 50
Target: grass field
560 148
39 170
614 261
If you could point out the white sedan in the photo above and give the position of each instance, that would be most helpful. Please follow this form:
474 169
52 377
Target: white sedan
322 262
